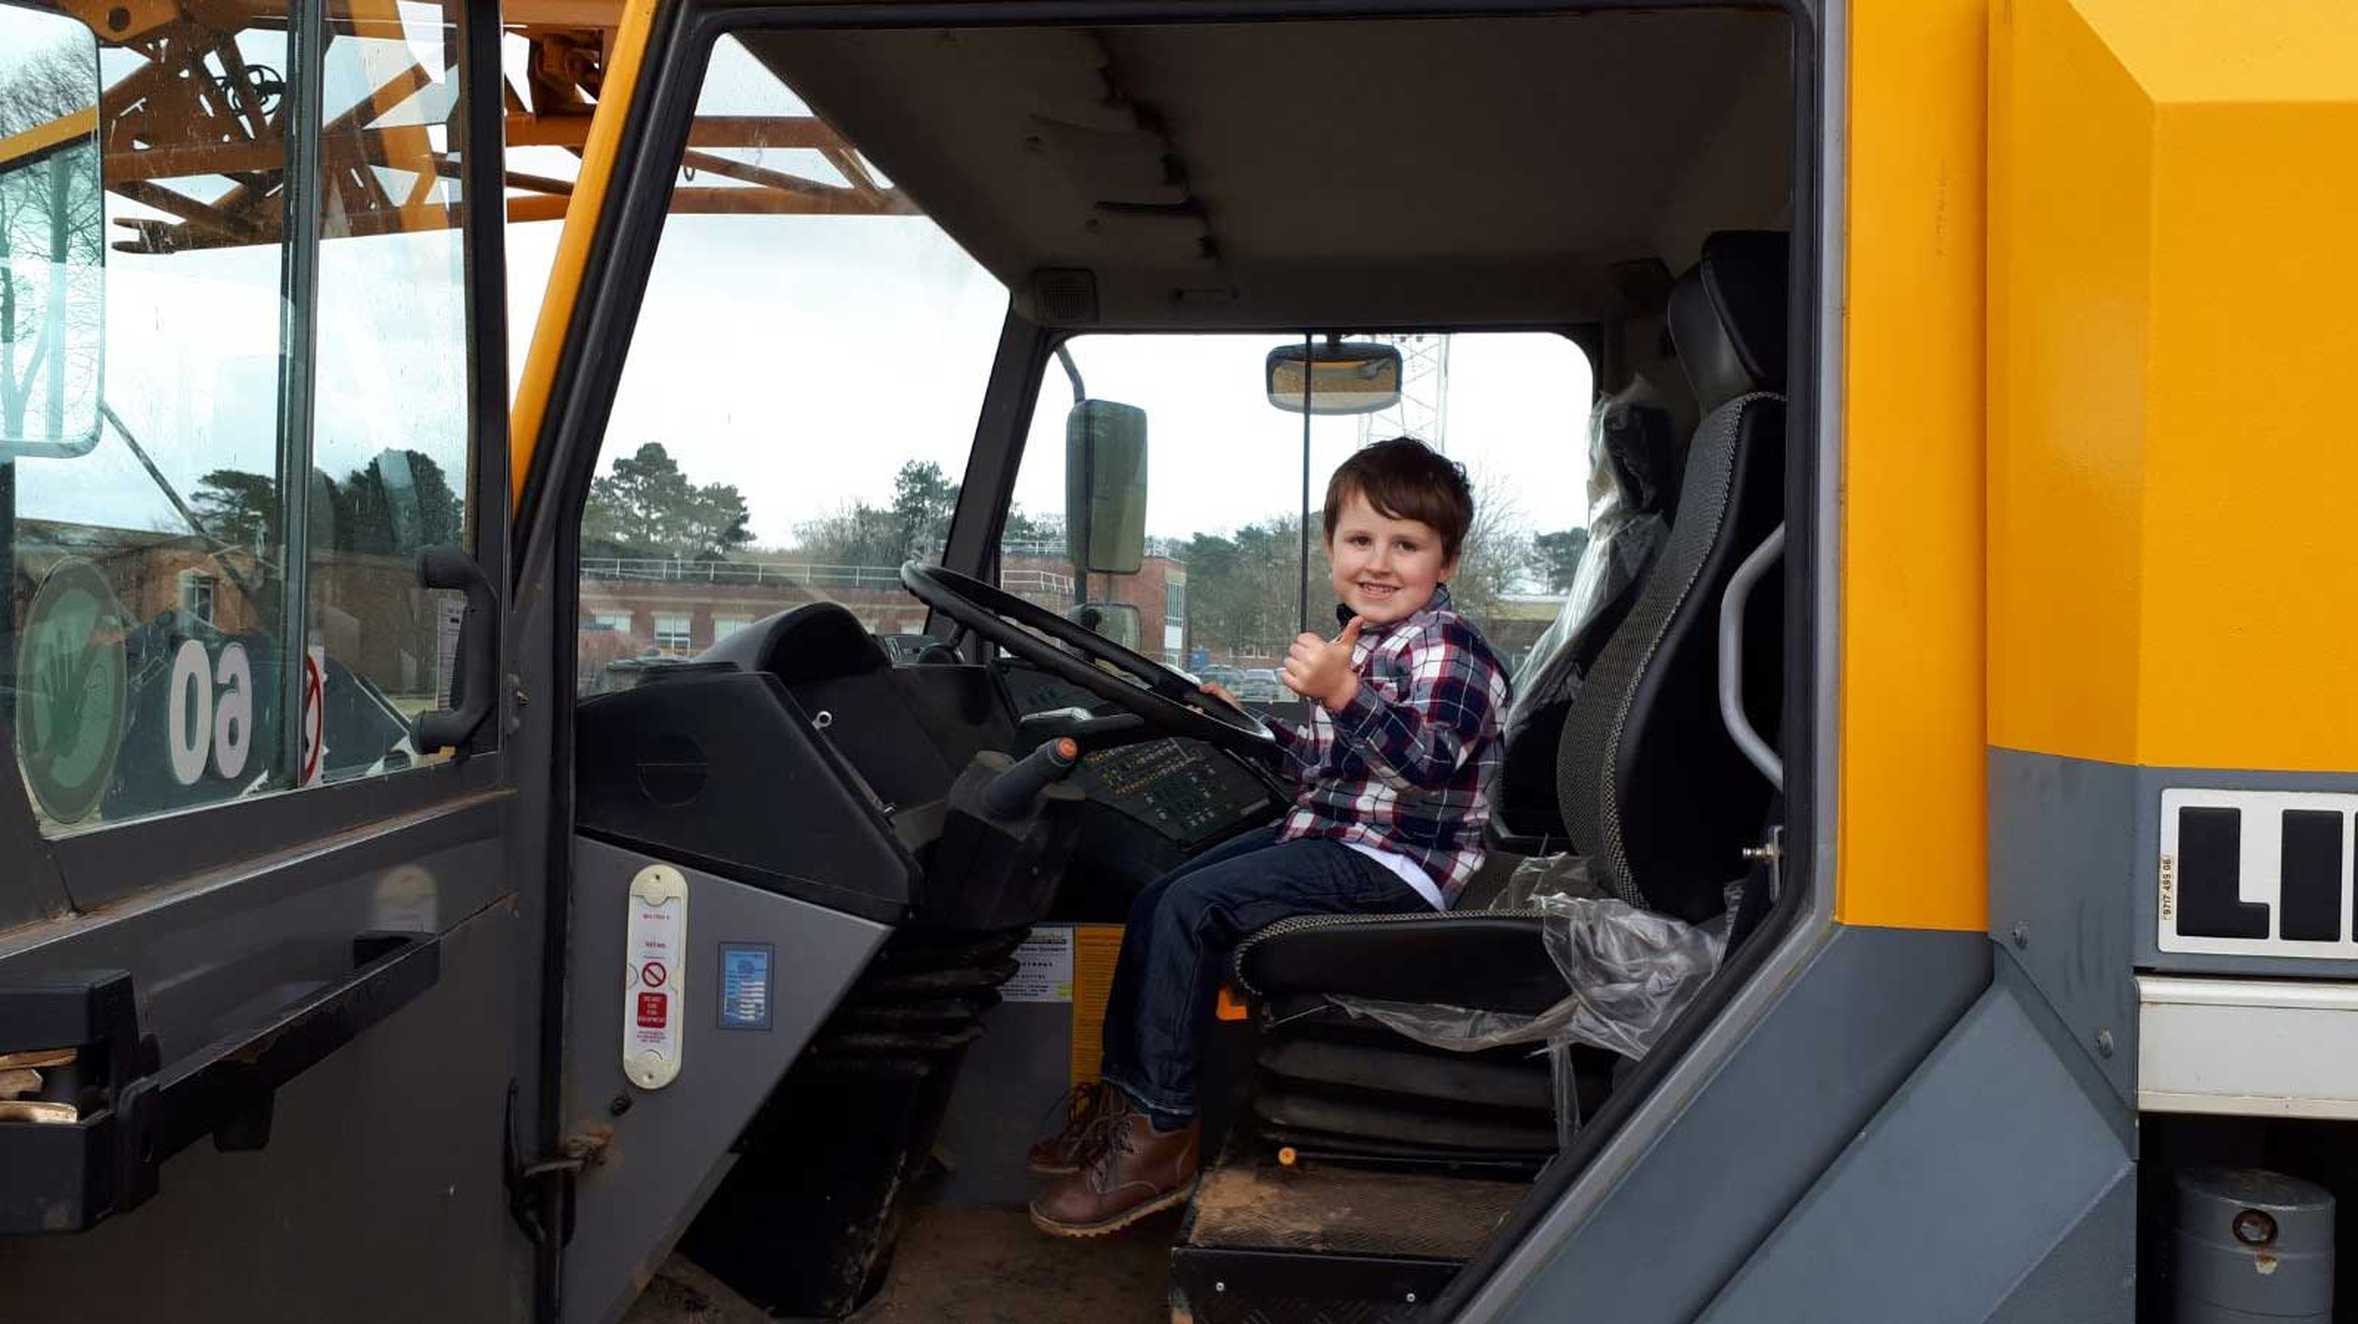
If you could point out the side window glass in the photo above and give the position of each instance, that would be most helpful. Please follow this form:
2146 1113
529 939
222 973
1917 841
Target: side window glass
211 589
1220 591
801 393
390 463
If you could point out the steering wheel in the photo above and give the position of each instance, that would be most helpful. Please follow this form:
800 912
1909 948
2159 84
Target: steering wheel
1161 697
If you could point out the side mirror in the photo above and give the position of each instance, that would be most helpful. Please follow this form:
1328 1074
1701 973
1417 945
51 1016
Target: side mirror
52 236
1333 378
1105 486
1117 621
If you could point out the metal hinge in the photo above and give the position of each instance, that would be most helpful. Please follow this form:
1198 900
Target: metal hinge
541 1189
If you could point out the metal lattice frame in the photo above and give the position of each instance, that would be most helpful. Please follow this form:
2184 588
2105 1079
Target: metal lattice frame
1423 410
198 113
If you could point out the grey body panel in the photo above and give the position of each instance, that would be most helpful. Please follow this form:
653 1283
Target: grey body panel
1006 1088
671 1147
2085 1269
2075 849
1732 1163
35 889
379 1196
1992 1156
214 952
2063 860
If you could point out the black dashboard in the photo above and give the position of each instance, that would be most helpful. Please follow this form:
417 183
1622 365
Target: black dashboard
798 755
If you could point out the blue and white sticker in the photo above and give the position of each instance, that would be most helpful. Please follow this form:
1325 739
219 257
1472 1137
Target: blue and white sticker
745 986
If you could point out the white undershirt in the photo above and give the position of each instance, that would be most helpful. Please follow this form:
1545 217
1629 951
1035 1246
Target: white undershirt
1406 868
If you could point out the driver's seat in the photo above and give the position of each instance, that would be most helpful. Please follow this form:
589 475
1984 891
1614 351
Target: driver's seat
1651 787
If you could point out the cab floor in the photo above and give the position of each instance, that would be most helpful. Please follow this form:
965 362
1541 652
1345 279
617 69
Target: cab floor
963 1265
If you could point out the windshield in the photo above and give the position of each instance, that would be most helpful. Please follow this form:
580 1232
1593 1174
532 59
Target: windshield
1235 558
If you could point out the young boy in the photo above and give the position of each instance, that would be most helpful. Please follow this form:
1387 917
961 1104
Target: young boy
1393 768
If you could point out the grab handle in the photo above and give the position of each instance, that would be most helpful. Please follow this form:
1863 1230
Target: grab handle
109 1116
478 651
1731 658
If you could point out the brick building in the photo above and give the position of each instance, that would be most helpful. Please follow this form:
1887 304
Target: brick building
671 608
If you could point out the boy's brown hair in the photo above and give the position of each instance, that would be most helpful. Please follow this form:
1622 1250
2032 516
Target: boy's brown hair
1403 478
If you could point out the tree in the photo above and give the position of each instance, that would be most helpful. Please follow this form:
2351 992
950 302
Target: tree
645 507
857 534
1555 558
51 230
1244 589
915 526
1034 533
397 503
923 498
239 508
1492 558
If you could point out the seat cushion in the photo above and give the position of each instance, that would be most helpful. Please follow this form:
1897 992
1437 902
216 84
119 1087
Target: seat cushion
1406 1122
1487 960
1520 1080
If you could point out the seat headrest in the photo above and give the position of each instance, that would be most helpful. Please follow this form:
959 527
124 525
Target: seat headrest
1727 316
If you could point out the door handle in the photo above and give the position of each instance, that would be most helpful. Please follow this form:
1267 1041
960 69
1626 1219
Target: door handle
128 1114
478 651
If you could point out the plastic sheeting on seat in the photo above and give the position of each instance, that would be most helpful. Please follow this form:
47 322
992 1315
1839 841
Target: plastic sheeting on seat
1635 456
1629 973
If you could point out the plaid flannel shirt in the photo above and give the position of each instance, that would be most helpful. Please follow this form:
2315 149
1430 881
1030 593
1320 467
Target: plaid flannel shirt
1406 765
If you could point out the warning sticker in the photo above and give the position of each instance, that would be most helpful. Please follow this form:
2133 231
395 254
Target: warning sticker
1046 973
1095 948
655 975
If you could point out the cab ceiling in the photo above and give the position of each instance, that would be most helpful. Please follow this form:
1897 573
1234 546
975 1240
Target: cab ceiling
1341 174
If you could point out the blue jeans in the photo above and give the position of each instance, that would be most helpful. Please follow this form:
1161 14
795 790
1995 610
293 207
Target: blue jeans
1183 928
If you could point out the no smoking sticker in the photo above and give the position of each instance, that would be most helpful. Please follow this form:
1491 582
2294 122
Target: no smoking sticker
655 954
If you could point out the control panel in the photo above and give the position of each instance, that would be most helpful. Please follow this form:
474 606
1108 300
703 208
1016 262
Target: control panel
1176 788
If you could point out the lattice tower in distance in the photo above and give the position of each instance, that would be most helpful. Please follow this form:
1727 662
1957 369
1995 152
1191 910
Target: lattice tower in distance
1423 411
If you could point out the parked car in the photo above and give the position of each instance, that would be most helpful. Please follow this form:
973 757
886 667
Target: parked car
1260 686
1227 677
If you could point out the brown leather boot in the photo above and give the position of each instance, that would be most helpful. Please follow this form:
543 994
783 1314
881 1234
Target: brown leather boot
1066 1150
1134 1171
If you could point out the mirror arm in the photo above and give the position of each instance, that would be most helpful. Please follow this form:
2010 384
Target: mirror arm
1065 357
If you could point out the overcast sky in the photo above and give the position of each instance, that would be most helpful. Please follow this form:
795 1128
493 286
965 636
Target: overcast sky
848 346
802 358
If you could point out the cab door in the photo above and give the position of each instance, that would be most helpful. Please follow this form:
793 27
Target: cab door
268 913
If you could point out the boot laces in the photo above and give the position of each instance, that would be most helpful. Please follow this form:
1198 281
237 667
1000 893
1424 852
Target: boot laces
1108 1140
1080 1105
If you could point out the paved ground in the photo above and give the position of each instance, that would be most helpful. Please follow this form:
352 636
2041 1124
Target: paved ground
969 1266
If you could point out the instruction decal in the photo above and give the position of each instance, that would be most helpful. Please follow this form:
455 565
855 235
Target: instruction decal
655 976
745 985
1044 967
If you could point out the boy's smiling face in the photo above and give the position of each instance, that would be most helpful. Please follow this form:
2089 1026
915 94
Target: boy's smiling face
1385 569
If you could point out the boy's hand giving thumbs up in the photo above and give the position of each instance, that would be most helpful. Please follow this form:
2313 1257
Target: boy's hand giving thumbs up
1321 671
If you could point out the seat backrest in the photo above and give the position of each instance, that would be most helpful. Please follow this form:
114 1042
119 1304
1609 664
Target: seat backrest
1649 784
1634 454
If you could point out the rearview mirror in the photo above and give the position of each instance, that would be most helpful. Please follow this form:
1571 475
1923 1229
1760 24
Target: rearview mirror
52 237
1105 486
1117 621
1334 378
